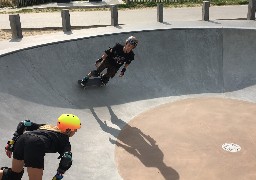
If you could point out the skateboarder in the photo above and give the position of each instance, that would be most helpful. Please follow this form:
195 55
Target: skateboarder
112 60
30 143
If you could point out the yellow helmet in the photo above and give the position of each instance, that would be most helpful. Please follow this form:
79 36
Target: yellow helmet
68 121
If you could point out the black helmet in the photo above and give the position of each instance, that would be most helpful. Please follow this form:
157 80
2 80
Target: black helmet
132 40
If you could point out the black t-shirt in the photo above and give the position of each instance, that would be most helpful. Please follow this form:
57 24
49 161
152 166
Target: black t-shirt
54 141
118 57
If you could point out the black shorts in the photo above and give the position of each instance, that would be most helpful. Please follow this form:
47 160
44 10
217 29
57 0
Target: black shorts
111 68
31 149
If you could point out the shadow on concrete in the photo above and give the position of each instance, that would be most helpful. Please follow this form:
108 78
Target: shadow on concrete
166 23
68 33
119 26
214 22
135 142
57 28
233 19
16 40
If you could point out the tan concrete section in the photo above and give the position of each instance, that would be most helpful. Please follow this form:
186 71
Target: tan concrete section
183 140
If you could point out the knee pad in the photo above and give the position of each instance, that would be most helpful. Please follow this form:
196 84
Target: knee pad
8 174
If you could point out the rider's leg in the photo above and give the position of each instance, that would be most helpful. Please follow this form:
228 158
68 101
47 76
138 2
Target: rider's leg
17 165
111 71
33 154
95 73
34 157
35 173
1 174
104 79
16 172
102 66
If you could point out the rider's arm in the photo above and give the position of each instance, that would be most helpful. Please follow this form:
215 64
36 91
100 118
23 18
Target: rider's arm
124 69
126 65
64 165
25 125
65 160
104 56
107 53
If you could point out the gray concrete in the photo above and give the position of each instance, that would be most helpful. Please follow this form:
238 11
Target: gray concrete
176 59
126 17
39 83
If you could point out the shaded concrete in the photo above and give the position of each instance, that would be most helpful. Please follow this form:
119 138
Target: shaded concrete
40 83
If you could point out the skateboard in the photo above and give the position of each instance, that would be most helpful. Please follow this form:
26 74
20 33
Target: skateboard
94 82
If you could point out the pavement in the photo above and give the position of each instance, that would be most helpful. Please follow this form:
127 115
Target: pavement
190 90
126 17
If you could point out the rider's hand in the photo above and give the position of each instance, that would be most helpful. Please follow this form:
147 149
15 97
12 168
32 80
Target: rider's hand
8 153
9 148
122 72
58 176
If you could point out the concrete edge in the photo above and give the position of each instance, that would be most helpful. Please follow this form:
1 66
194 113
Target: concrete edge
13 46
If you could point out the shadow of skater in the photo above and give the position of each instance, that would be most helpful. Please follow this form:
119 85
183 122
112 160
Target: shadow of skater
135 142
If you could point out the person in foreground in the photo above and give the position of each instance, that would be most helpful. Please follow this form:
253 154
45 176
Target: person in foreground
112 60
31 141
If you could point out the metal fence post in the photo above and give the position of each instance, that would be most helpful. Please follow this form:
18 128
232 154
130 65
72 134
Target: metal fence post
160 13
205 10
65 20
114 15
251 10
15 26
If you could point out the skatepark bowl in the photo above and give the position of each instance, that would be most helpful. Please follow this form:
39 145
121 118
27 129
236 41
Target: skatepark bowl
183 105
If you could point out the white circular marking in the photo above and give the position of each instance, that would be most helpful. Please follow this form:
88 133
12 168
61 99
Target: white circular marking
231 147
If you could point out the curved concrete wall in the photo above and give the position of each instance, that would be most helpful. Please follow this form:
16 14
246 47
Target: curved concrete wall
239 60
168 62
40 83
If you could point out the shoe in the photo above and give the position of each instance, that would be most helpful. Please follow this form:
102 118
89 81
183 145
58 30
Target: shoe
84 81
104 80
95 73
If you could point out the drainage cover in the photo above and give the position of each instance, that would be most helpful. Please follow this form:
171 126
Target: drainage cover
231 147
